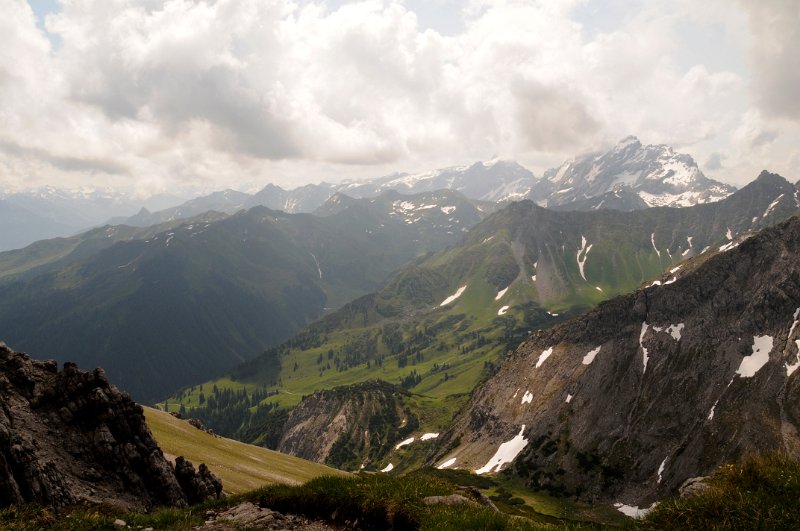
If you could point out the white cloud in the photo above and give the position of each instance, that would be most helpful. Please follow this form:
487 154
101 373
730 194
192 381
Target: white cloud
156 94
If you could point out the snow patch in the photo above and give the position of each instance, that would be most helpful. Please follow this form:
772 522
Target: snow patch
543 356
569 399
762 345
796 319
772 206
454 296
428 436
598 288
589 358
317 262
388 468
673 330
404 443
507 452
584 250
675 269
450 462
527 398
729 234
661 468
633 511
653 241
501 293
447 209
711 413
645 357
502 310
728 246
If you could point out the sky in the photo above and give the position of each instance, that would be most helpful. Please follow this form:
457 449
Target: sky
154 96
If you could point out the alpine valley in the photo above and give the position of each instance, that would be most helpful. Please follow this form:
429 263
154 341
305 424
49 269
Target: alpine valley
587 340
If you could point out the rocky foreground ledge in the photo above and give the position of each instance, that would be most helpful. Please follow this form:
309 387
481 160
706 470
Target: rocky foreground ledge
70 437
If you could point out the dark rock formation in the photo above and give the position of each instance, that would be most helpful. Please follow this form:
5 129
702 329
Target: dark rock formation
627 402
198 486
348 426
69 436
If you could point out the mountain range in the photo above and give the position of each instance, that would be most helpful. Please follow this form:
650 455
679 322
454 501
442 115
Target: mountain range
163 307
49 212
628 177
652 388
444 322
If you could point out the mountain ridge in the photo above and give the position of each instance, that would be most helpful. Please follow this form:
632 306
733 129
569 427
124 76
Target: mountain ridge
661 399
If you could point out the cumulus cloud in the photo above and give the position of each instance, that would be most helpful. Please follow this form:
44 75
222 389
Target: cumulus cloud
219 93
774 49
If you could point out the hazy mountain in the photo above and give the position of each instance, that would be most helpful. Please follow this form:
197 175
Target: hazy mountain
441 323
20 226
487 181
496 181
651 388
657 174
302 199
50 212
52 254
189 302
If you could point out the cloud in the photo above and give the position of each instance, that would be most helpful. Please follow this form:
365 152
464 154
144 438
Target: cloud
66 163
714 162
550 118
774 49
157 94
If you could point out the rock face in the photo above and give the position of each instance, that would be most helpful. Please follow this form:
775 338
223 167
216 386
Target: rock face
347 426
627 402
69 436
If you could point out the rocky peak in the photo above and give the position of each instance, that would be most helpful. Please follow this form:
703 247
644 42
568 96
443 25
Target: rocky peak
69 436
656 173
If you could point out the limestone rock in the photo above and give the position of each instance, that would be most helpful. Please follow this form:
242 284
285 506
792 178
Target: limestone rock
70 436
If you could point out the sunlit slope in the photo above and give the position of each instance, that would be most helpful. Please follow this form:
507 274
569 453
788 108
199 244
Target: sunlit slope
242 467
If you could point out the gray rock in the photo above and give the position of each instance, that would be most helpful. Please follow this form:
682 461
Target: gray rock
451 499
693 487
69 437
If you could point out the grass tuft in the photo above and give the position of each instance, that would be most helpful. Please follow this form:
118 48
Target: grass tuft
760 493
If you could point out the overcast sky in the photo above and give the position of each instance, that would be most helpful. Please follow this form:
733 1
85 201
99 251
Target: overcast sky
153 95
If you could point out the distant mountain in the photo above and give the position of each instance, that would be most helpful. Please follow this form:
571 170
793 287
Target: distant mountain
50 212
649 389
495 181
441 323
189 302
20 227
629 177
302 199
656 174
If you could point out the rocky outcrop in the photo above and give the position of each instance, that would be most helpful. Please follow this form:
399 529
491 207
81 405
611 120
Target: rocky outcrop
627 402
348 426
69 436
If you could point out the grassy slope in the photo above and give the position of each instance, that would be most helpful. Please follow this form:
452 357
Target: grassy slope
242 467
